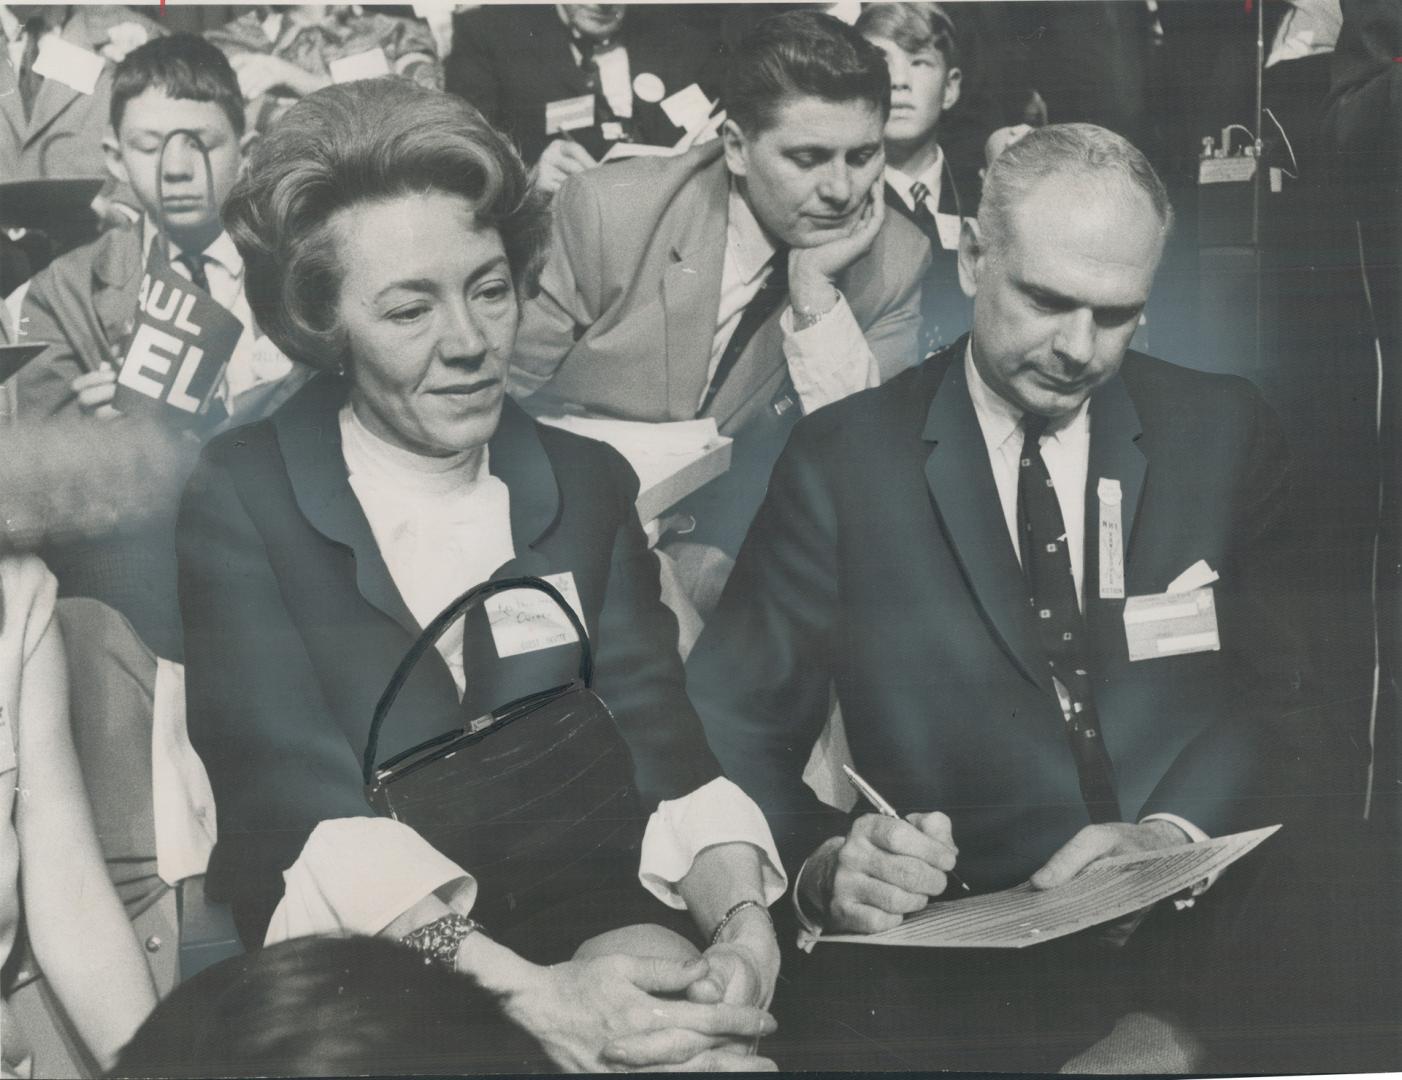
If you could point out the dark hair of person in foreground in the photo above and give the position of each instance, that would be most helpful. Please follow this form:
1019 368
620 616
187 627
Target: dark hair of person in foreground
329 1007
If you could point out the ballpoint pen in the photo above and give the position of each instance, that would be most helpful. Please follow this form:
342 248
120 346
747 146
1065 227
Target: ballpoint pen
885 809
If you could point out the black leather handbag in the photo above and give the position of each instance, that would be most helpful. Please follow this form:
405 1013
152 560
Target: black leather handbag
536 799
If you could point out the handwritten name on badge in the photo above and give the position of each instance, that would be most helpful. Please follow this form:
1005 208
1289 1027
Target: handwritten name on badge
526 620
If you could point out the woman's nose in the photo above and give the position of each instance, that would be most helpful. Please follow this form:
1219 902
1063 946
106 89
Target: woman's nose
463 339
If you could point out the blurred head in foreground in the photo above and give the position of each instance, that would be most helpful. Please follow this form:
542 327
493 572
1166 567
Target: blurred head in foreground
329 1007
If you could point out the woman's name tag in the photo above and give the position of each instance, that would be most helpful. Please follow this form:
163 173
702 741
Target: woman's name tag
526 620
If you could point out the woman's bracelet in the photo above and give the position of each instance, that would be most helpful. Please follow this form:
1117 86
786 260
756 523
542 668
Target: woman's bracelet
438 941
735 910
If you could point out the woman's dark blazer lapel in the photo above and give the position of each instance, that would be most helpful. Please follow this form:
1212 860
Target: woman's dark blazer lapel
309 436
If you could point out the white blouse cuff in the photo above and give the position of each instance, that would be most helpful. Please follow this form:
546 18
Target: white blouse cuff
357 875
717 812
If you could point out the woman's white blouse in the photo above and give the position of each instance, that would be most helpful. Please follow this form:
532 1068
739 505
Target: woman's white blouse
443 525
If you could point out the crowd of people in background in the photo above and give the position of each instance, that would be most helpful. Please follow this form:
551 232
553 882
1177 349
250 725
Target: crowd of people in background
288 293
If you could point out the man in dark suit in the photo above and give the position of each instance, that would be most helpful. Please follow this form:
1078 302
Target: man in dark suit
749 280
517 64
953 551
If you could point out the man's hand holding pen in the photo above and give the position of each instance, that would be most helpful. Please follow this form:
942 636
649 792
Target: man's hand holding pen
882 870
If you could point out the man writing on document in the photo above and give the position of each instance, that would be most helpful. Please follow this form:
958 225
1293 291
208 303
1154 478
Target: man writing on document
976 556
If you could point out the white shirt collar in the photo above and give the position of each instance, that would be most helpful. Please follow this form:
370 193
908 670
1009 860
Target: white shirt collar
1001 421
932 178
9 25
747 245
221 250
393 468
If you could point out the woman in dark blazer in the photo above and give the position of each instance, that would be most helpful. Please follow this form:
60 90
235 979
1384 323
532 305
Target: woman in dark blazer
385 228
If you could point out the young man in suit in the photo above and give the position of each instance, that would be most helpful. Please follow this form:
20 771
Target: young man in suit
921 49
952 552
749 280
517 64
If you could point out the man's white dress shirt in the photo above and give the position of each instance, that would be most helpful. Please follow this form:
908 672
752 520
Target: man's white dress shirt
828 360
442 526
1066 451
948 225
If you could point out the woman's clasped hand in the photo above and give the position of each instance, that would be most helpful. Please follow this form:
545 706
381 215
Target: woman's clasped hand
626 1012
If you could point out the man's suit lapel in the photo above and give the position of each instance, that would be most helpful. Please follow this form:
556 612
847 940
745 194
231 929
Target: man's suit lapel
691 292
966 499
309 435
11 108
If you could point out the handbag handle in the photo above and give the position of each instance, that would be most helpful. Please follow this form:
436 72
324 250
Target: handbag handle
436 629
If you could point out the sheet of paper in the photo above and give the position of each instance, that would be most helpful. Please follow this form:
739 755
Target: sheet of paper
74 66
672 460
1104 891
371 64
688 108
624 150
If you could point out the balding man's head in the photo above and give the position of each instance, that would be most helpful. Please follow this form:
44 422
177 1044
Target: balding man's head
1070 152
1068 238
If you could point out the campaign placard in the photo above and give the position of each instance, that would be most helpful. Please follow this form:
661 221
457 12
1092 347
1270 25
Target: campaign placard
180 345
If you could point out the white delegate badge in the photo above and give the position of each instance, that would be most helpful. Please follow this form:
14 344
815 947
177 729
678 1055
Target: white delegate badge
567 114
688 108
611 130
1177 622
526 620
371 64
1112 545
648 87
74 66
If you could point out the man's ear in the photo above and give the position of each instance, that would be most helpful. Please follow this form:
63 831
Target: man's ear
953 86
971 256
735 143
112 154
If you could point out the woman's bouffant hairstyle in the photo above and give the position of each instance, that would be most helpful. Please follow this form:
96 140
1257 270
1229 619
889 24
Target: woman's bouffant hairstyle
364 142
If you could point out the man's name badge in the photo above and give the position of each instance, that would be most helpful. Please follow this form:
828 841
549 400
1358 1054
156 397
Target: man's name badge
371 64
74 66
611 130
1173 623
1111 539
526 620
569 114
